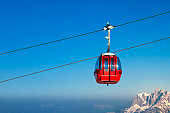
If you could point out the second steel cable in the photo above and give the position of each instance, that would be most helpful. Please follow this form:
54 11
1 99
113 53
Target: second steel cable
81 60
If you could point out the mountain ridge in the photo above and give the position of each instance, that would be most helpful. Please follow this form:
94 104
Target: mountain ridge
157 102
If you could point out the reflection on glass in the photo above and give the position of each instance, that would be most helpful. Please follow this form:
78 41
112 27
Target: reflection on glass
112 64
106 65
119 67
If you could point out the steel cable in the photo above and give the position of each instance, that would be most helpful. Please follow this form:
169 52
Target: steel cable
50 42
80 61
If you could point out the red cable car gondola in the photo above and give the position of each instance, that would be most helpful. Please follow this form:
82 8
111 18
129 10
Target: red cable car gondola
108 67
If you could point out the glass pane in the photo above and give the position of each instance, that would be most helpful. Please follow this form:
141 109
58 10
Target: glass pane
106 64
97 64
100 63
119 67
112 64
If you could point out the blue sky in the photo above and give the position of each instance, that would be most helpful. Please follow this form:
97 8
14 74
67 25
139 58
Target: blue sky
25 23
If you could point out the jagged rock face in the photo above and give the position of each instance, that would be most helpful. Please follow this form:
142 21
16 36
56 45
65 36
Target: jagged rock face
156 102
140 99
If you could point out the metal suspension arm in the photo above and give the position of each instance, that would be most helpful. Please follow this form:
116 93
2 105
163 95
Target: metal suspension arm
108 27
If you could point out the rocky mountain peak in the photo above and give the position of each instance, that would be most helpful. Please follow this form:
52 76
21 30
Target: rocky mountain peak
158 100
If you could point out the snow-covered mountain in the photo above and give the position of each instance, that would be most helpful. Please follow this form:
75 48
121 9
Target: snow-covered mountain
157 102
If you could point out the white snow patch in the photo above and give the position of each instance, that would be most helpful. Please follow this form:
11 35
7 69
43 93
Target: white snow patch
133 108
144 102
146 94
144 107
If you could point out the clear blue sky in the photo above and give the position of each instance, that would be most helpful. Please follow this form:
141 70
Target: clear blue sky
24 23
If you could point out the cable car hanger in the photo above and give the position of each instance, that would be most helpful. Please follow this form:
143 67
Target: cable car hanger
108 27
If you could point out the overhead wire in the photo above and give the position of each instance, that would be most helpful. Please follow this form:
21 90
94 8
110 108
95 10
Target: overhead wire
54 41
34 73
142 19
49 42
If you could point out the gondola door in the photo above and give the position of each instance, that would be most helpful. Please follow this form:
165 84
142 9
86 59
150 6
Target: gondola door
113 76
106 69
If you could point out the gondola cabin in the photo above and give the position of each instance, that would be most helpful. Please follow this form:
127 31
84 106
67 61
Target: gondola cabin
108 69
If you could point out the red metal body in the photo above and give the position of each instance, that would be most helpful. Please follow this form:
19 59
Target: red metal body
108 69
